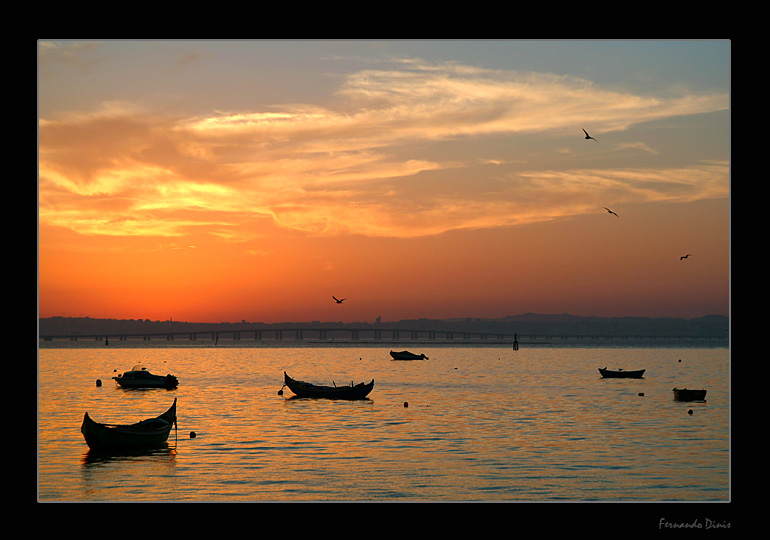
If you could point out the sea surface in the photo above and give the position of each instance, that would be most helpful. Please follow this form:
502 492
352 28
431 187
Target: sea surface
471 423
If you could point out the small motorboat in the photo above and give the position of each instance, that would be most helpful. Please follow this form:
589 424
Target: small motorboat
148 433
139 377
621 374
684 394
406 355
305 389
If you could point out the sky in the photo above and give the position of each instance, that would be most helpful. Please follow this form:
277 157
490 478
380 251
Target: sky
227 181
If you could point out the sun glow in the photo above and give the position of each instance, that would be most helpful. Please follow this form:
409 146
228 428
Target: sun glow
410 161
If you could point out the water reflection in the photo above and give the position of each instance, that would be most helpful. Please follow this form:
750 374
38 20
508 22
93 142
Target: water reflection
542 425
129 475
164 452
311 399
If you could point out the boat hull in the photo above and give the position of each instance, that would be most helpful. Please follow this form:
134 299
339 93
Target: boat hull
141 379
148 433
621 374
406 355
307 390
684 394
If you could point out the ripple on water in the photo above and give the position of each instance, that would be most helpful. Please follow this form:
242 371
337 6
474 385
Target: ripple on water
481 424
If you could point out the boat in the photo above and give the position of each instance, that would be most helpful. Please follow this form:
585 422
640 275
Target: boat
139 377
305 389
148 433
621 374
684 394
406 355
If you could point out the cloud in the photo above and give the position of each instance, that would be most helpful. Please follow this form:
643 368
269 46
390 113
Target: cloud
356 168
50 52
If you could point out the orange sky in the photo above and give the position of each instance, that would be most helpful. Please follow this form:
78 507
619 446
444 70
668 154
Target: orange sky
413 180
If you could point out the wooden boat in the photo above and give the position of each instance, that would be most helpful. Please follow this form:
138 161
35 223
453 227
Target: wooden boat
145 434
621 374
139 377
305 389
684 394
406 355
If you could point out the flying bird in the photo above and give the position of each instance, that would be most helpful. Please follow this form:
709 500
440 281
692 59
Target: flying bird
684 256
338 300
588 136
610 211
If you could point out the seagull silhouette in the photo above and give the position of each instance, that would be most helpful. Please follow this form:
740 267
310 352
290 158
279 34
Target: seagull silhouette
588 136
338 300
610 211
685 256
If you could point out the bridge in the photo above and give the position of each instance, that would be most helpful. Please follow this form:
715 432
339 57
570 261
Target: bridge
303 333
350 334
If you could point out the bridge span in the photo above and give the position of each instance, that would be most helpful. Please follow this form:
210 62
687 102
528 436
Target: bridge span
303 333
361 335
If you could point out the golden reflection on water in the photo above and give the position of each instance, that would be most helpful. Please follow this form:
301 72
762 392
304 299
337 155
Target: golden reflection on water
481 424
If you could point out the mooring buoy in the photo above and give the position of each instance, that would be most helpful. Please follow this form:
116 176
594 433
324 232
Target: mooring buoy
406 404
98 382
193 435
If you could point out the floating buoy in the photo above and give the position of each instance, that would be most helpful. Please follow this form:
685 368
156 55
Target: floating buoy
641 393
192 435
680 359
689 412
406 404
98 382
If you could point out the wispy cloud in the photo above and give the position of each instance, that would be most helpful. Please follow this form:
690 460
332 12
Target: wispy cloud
51 53
123 170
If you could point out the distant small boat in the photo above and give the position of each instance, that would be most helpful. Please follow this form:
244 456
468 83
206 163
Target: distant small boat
139 377
406 355
683 394
305 389
145 434
621 374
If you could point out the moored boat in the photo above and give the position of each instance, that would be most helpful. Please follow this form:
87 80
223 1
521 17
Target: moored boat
685 394
305 389
145 434
406 355
139 377
621 374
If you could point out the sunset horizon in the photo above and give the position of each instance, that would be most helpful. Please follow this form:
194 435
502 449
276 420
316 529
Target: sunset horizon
229 181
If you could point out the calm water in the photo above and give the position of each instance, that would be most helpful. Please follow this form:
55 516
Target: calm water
482 424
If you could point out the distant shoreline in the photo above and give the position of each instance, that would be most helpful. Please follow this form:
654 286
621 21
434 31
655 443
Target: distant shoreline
528 329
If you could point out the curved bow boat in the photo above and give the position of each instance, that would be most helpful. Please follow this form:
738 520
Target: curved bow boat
145 434
305 389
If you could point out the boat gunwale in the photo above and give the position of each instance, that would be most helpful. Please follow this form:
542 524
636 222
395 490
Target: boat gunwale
145 379
622 374
407 355
690 394
101 436
306 389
